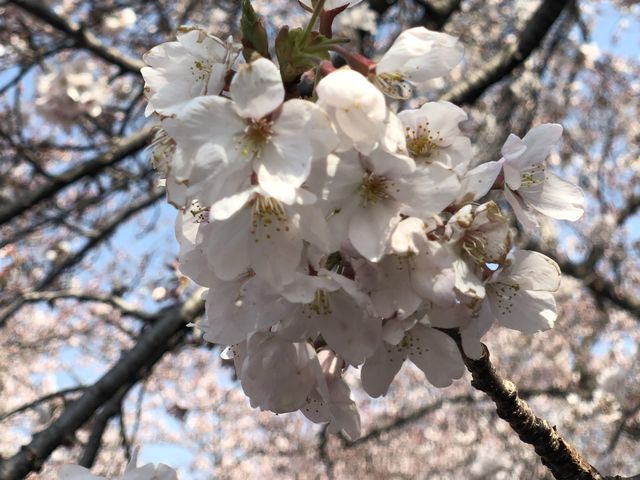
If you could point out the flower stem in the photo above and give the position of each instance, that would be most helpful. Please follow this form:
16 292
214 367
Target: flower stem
312 20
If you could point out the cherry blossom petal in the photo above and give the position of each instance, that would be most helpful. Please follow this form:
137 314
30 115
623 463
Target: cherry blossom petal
380 369
558 199
478 181
428 190
419 54
371 227
349 330
256 89
275 249
436 354
522 212
539 141
227 245
532 271
525 311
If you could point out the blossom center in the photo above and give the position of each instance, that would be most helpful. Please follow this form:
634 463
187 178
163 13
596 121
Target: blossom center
256 135
394 85
201 71
373 188
422 142
162 150
266 210
321 304
532 177
475 245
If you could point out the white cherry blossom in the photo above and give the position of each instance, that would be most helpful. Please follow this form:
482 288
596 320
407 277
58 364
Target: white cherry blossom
418 55
520 294
253 230
333 306
275 374
368 195
337 234
529 185
430 350
357 108
236 308
482 232
196 64
224 141
330 402
433 135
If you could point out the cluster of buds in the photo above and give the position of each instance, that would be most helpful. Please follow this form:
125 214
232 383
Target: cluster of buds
334 233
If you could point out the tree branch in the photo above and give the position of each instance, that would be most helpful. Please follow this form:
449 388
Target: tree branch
563 460
160 338
422 412
476 83
113 300
121 150
100 422
43 399
103 234
81 37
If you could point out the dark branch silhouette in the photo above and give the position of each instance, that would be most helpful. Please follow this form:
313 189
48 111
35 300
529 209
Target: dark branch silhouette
122 149
165 334
81 37
531 37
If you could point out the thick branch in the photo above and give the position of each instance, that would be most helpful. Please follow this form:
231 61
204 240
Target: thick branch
160 338
564 461
81 37
476 83
121 150
100 422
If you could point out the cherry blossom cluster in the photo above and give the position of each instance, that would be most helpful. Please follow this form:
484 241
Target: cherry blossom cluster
334 232
68 93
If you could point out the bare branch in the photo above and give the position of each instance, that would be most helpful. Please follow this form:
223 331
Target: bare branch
103 234
402 421
629 414
43 399
563 460
81 296
100 422
81 37
476 83
167 332
121 150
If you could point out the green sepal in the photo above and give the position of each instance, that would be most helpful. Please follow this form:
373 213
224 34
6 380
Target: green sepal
297 53
254 35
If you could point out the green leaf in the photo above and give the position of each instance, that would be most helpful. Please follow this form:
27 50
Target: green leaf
254 35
